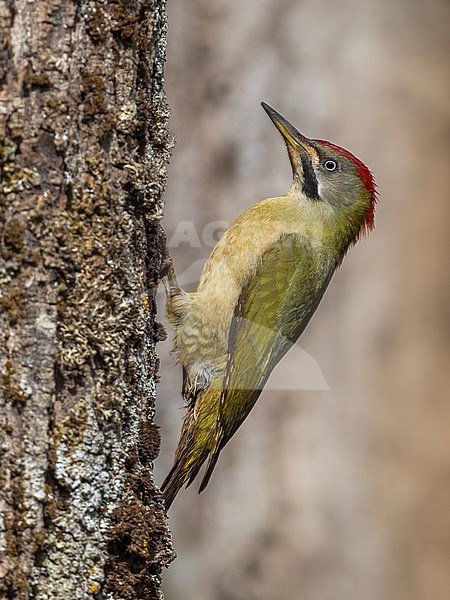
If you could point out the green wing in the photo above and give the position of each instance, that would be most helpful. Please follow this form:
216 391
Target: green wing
272 312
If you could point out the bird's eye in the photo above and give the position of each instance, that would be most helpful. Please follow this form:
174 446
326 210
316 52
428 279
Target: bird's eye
330 165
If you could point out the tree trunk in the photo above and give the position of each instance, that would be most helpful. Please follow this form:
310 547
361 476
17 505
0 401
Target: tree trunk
84 144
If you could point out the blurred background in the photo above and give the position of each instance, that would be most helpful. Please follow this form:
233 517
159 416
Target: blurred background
337 485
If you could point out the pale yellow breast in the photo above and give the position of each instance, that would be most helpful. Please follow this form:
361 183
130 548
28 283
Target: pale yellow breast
205 332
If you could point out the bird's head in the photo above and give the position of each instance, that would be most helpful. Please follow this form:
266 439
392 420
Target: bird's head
325 172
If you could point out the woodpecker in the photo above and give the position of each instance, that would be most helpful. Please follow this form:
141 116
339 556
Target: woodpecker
258 290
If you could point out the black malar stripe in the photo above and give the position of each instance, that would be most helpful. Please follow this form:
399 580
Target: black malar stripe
310 186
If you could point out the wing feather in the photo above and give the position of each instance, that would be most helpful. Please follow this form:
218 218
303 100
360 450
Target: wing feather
271 313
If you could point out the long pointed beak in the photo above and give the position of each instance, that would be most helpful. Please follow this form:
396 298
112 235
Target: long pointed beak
293 138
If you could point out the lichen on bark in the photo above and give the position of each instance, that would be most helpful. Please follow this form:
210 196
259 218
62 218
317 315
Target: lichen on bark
83 148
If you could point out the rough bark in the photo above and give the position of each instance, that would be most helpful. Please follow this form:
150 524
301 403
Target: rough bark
83 147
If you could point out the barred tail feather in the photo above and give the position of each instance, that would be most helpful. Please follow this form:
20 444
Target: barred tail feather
194 446
172 484
178 476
